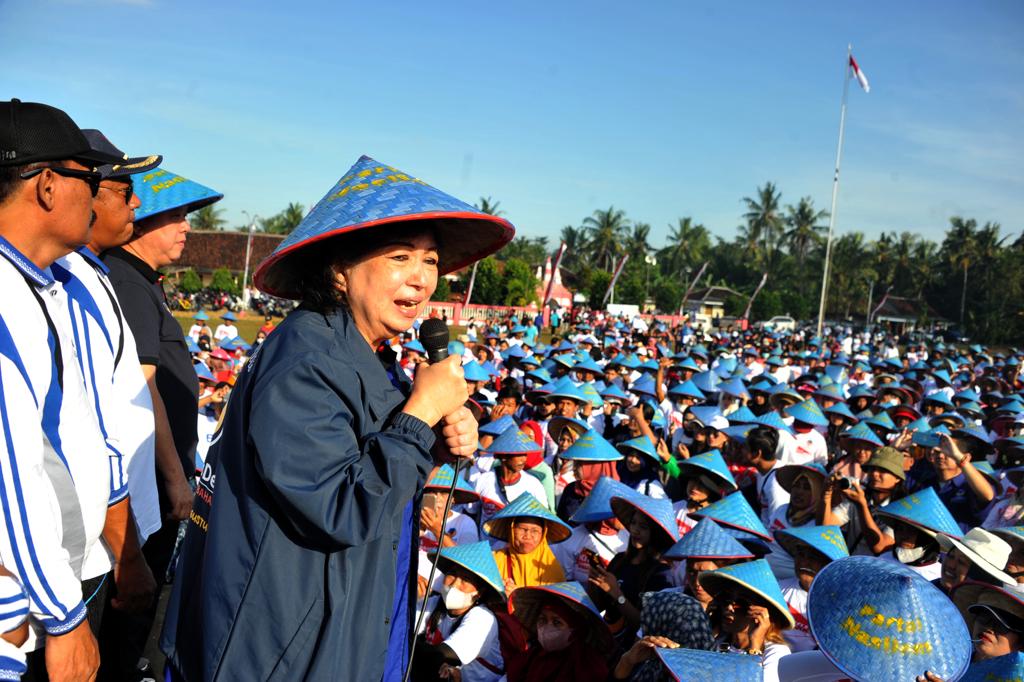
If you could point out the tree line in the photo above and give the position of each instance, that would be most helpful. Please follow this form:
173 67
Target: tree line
974 277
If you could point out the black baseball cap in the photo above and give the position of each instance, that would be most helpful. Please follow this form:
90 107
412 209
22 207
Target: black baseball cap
31 132
127 166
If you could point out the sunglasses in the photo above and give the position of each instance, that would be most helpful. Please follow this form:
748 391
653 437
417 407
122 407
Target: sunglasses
127 191
91 178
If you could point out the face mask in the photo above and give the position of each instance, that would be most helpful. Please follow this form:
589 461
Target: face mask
909 556
553 639
455 599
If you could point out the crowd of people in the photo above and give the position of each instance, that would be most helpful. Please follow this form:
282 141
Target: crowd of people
609 498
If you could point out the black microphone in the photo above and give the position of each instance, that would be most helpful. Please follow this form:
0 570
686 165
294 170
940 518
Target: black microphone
434 337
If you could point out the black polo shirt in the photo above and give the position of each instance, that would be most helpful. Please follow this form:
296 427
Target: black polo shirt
160 342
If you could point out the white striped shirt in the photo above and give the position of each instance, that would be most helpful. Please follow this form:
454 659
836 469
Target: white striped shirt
54 483
115 384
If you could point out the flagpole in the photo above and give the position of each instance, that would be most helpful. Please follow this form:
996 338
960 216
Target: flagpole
835 191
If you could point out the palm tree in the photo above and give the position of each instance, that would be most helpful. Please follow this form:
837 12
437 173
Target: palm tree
207 218
605 232
688 245
851 270
285 221
575 239
764 218
490 206
637 245
883 258
804 231
959 247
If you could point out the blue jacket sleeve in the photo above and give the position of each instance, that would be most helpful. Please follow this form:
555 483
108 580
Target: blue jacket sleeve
335 488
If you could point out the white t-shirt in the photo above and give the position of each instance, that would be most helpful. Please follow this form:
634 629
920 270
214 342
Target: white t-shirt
779 559
773 653
799 638
570 552
770 493
808 447
225 331
651 487
492 500
473 636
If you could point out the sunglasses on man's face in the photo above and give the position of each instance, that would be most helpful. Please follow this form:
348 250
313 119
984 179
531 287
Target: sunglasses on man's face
125 190
91 178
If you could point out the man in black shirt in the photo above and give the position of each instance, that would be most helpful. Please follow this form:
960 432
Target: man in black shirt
159 237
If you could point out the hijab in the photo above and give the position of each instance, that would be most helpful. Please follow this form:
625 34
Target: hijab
581 661
539 567
590 472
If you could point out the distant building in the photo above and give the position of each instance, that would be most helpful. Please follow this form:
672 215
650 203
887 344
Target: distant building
709 303
902 315
206 251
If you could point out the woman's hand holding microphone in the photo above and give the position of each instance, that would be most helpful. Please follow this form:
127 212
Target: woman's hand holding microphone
438 396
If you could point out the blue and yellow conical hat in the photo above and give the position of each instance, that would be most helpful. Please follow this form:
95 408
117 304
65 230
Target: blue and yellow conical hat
879 620
441 481
160 191
528 601
592 447
477 558
734 511
808 412
498 426
657 510
1009 667
526 506
861 432
710 463
512 442
696 665
598 504
826 540
757 577
708 541
375 196
924 510
643 446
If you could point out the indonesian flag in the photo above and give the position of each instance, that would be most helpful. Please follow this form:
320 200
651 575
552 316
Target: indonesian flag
859 75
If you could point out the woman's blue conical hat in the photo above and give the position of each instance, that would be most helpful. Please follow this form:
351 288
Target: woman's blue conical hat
938 397
588 365
415 345
1009 668
687 389
472 371
831 391
883 421
513 442
787 474
530 362
643 446
527 600
975 432
861 391
478 559
879 620
202 371
709 463
841 410
707 540
734 511
657 510
756 576
526 506
735 388
566 388
201 315
613 393
707 382
442 481
590 391
700 350
742 415
772 420
191 344
922 509
498 426
160 191
686 362
696 665
374 196
826 540
967 395
808 412
705 413
591 447
598 504
241 343
644 386
540 376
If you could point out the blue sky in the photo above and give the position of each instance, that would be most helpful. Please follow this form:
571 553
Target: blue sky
663 109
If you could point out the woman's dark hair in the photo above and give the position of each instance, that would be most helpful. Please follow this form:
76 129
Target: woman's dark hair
763 441
316 267
511 392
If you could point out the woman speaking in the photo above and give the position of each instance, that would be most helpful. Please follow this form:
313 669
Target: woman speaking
298 560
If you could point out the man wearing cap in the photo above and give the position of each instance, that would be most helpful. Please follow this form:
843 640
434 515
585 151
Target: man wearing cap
115 381
157 241
54 464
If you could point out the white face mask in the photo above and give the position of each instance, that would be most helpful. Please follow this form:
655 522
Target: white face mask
909 556
552 638
455 599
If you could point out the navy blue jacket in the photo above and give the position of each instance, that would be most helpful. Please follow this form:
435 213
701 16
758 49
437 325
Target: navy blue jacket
288 567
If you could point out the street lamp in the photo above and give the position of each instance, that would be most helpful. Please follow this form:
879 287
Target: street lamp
248 252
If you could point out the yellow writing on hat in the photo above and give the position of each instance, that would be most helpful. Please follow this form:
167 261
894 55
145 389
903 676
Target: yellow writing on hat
380 175
830 537
889 643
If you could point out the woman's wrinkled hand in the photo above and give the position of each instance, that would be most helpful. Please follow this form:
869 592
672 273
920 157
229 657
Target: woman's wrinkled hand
460 432
438 391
